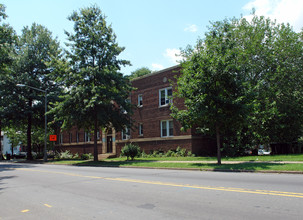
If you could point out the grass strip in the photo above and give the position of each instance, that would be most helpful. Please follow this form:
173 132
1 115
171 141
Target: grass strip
243 166
290 157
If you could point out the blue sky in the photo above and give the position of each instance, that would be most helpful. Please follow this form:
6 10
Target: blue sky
152 31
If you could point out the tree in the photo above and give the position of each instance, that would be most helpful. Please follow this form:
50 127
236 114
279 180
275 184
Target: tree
7 41
139 72
96 91
213 90
272 55
35 49
245 77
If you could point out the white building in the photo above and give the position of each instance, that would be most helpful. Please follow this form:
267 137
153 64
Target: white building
6 146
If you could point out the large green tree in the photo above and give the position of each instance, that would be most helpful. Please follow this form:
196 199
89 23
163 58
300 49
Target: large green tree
34 50
244 77
214 92
7 42
96 92
272 57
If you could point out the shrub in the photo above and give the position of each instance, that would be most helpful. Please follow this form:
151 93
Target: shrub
85 156
143 154
169 153
64 155
76 156
130 150
155 153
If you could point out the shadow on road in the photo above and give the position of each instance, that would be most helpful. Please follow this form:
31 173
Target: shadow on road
9 166
13 165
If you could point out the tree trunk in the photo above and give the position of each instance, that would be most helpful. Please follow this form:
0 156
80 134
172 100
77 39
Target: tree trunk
29 133
95 139
218 145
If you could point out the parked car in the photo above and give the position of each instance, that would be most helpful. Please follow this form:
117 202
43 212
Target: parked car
263 152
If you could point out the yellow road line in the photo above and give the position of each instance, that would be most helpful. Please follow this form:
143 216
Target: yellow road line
47 205
226 189
25 210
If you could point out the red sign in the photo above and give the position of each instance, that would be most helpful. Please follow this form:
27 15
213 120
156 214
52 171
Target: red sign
53 137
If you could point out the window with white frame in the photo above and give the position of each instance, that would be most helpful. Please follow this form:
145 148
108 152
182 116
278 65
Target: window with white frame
127 102
165 96
61 139
77 137
140 100
125 134
98 135
167 128
87 136
141 129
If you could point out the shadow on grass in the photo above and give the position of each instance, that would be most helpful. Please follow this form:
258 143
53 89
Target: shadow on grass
243 166
240 167
113 163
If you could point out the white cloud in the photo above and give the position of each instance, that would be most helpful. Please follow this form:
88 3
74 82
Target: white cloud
156 66
191 28
287 11
174 55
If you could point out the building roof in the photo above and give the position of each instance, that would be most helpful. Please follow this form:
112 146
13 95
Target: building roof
157 72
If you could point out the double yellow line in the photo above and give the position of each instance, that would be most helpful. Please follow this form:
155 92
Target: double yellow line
226 189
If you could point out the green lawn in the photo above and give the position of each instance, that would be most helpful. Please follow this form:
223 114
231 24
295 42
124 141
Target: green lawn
293 157
245 165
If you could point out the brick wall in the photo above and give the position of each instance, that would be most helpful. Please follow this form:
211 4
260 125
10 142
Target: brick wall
150 114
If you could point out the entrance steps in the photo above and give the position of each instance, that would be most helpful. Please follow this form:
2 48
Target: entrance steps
105 156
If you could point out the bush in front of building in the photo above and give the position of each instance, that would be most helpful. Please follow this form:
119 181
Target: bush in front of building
130 151
179 152
86 156
64 155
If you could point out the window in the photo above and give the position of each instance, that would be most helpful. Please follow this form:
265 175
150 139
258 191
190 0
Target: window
87 136
98 135
141 129
127 103
77 137
140 100
165 96
126 134
167 128
61 139
70 138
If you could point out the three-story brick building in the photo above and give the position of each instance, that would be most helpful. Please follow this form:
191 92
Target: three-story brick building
153 129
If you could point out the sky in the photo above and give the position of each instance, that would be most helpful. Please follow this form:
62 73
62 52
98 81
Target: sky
152 31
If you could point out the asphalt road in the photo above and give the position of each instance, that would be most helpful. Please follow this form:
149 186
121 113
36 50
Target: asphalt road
30 191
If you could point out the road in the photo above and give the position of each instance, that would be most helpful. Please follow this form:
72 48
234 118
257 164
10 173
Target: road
39 191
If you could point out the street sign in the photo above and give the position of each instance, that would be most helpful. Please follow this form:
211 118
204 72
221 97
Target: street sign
53 137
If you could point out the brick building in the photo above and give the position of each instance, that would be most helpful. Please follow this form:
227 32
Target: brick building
154 128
